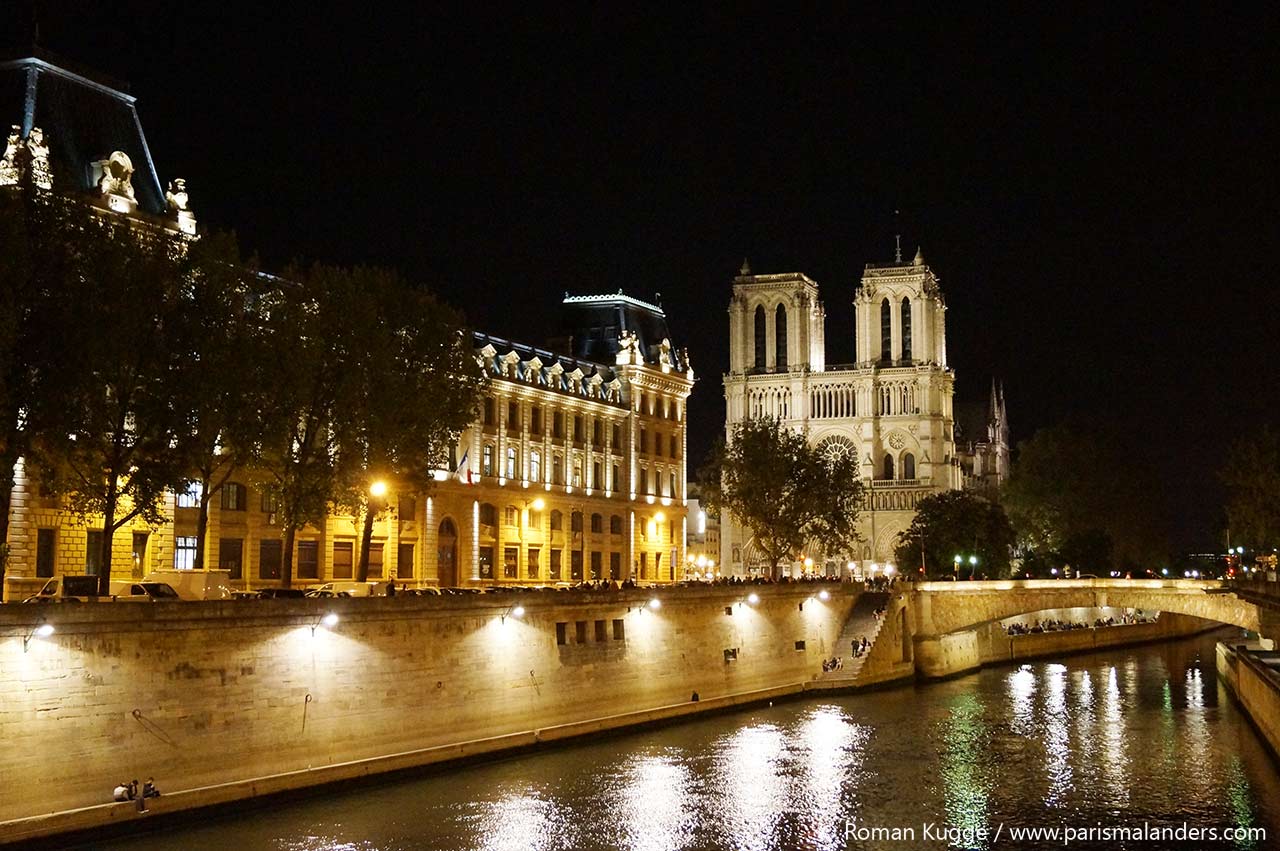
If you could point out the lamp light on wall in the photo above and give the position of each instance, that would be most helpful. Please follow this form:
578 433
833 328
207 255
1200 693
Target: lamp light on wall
753 598
328 621
516 611
824 595
378 489
655 604
43 629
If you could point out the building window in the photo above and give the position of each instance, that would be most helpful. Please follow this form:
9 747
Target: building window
562 633
404 561
595 474
617 437
575 566
233 497
408 507
657 566
190 498
596 562
578 434
615 565
906 329
44 553
488 514
597 433
557 521
510 562
511 462
644 480
269 502
657 444
488 412
886 331
535 519
343 559
672 442
535 466
888 467
269 555
615 524
672 483
780 336
231 556
644 442
613 482
308 559
513 416
602 632
597 523
375 560
555 564
644 565
486 562
759 337
535 420
575 521
486 460
184 553
557 424
908 466
619 630
577 473
557 469
512 515
139 553
534 566
580 632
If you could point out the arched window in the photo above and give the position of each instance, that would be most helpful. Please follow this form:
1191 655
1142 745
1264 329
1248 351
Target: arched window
780 336
557 521
615 525
906 331
886 331
888 467
488 514
511 462
597 523
486 460
535 466
908 466
759 337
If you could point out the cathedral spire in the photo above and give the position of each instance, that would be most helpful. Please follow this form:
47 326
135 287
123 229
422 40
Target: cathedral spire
919 258
746 268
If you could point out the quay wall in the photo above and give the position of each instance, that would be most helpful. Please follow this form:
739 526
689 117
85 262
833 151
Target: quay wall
1256 687
226 700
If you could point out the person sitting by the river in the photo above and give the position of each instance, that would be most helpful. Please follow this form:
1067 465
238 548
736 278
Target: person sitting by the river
149 789
121 792
865 645
826 666
839 663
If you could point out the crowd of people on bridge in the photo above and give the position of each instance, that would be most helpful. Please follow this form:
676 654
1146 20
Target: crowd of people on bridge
1054 625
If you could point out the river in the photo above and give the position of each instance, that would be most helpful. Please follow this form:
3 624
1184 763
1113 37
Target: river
1113 740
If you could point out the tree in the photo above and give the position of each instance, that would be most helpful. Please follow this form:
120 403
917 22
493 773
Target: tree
416 387
784 491
1077 481
222 387
957 523
108 427
1251 475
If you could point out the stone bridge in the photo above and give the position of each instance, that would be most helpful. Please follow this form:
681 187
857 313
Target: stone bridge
945 607
937 629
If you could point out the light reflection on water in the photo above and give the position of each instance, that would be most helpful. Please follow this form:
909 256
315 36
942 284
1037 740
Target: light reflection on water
1130 736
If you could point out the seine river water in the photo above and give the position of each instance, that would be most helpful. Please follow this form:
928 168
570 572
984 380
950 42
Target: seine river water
1116 740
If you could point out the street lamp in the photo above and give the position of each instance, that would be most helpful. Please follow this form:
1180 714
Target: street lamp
956 568
42 630
973 565
378 489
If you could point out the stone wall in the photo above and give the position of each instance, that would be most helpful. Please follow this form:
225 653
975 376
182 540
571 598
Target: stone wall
202 694
1256 688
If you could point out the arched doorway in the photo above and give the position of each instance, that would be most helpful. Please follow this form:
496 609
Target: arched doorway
447 555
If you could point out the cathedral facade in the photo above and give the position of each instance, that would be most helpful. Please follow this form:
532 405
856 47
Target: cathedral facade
893 408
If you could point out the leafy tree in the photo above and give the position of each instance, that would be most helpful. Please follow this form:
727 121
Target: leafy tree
784 491
955 523
1251 475
38 231
222 387
1077 482
108 426
416 386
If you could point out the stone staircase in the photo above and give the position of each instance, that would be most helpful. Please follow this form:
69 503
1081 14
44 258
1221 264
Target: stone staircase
862 622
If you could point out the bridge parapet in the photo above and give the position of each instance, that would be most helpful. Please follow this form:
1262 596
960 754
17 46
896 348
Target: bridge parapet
946 607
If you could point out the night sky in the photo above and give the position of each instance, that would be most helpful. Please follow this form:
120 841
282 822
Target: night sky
1096 191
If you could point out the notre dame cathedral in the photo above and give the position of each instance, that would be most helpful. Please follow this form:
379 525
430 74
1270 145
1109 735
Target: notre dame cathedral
893 408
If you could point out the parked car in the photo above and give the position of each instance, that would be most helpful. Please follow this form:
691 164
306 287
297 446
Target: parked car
126 591
352 589
282 593
195 584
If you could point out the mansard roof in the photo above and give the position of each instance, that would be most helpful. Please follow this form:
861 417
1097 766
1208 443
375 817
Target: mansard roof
599 326
85 118
521 362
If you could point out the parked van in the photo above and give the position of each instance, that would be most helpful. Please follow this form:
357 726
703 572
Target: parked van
195 584
68 589
347 589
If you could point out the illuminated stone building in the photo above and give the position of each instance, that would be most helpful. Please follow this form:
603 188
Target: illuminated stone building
574 469
891 408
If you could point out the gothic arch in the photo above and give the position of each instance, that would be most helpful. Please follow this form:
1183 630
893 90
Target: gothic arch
759 337
780 336
906 328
